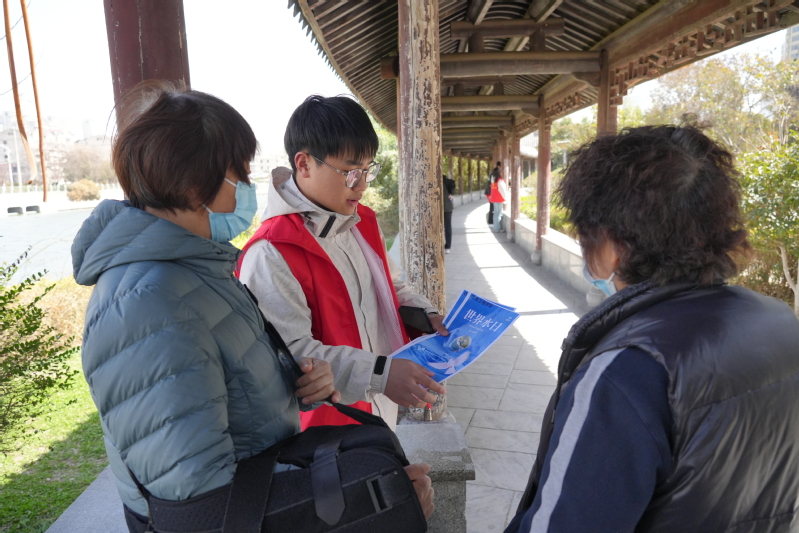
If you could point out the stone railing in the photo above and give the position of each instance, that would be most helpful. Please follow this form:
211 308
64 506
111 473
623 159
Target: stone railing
560 255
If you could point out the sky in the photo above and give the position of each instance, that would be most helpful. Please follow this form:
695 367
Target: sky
251 53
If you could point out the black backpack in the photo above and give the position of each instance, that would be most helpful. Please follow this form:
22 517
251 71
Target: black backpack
348 479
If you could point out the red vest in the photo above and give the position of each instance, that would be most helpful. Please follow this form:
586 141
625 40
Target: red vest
333 320
495 196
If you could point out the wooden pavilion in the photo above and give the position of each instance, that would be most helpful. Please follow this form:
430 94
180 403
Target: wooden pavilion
470 78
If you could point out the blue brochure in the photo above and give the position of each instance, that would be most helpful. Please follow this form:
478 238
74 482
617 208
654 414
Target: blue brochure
474 324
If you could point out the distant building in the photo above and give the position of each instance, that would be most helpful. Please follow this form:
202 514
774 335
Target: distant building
790 49
261 166
58 139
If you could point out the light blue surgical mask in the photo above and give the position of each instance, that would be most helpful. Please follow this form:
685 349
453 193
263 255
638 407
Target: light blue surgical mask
228 226
605 285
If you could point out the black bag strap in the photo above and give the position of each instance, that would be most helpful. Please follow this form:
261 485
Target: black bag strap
328 494
249 493
362 417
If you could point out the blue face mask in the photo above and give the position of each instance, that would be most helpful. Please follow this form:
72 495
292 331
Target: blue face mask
605 285
228 226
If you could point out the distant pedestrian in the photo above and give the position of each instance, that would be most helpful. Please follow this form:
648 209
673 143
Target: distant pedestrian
448 191
498 197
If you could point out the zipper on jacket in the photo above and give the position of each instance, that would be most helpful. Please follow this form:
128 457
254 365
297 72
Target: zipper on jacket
327 227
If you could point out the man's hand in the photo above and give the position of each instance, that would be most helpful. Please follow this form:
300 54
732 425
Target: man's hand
407 383
438 324
317 383
423 485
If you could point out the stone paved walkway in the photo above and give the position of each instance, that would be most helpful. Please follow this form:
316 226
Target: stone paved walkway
500 400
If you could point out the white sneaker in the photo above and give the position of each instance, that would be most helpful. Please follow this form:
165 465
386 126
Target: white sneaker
446 251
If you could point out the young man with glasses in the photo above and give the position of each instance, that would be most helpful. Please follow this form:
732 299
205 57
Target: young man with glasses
319 268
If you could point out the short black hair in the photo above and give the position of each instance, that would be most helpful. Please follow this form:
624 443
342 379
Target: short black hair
175 145
499 164
666 196
336 126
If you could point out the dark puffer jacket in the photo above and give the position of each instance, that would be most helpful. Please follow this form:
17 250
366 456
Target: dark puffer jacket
186 381
732 358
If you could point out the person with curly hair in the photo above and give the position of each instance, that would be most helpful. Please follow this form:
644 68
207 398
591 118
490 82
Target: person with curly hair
676 400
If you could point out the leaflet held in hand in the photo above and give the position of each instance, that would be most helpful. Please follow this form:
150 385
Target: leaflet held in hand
474 324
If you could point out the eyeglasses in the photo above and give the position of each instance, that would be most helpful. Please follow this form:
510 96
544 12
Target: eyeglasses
354 176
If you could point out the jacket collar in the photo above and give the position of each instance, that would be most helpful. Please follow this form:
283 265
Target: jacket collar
594 325
117 233
285 198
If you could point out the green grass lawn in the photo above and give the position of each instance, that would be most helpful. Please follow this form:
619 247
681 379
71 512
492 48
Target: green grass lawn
60 455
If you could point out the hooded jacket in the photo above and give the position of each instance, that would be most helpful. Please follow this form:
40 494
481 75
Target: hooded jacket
265 271
180 368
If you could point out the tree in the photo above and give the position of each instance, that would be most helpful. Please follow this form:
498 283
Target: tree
33 356
383 193
770 181
748 100
88 162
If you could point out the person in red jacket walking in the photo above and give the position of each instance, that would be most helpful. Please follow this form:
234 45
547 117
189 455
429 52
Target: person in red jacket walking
498 197
319 268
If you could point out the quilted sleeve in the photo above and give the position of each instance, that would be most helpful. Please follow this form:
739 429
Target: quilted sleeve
156 376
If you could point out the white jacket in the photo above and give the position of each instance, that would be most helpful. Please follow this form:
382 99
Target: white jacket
280 296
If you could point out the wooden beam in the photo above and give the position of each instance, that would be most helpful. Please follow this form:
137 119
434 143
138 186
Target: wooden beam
420 197
592 56
488 103
476 121
517 63
477 136
483 80
477 10
467 129
591 78
389 67
541 9
461 29
606 112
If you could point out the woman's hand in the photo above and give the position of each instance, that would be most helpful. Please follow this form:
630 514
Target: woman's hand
423 485
317 383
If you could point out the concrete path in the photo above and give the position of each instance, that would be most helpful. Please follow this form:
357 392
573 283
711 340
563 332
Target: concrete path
500 399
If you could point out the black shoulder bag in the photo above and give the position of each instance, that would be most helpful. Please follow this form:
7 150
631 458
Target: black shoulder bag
347 479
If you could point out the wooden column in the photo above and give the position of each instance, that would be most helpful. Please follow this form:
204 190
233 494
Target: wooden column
469 162
460 175
543 185
146 40
516 180
505 158
606 111
421 206
449 165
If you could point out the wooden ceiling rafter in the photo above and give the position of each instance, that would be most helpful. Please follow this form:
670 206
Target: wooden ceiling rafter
641 36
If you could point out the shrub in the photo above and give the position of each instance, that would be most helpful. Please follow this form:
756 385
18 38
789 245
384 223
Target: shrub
33 355
83 190
558 216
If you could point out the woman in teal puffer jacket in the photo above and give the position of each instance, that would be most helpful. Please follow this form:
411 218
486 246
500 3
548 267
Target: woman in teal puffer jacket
185 378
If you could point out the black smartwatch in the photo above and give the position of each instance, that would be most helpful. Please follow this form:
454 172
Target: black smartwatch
380 364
